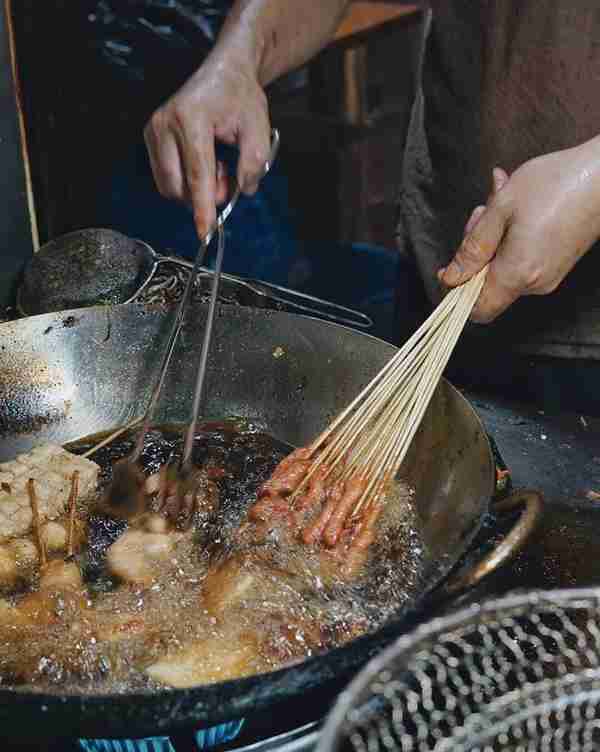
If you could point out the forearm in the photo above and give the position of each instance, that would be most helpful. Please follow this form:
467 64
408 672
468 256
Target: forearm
588 178
276 36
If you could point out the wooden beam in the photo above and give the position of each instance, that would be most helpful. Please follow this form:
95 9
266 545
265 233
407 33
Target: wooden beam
18 227
366 17
18 96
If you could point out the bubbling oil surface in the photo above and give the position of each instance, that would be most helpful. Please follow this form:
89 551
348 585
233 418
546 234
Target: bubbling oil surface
104 642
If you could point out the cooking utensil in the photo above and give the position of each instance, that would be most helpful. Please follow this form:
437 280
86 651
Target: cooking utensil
126 488
71 374
185 467
371 437
519 673
94 266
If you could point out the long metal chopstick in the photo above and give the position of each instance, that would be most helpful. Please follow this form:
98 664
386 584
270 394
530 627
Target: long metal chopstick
168 351
186 458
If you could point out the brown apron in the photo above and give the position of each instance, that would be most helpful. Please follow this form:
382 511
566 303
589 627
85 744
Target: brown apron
502 81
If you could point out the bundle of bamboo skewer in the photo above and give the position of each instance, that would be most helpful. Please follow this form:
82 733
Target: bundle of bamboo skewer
370 437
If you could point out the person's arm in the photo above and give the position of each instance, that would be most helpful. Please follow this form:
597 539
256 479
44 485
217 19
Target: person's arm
536 226
260 41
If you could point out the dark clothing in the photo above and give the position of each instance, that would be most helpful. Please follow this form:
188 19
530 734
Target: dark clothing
502 81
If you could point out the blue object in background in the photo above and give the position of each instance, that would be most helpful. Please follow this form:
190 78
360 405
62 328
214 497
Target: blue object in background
260 239
205 739
358 276
262 243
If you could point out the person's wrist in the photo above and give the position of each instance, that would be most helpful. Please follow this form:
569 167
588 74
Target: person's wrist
588 155
241 50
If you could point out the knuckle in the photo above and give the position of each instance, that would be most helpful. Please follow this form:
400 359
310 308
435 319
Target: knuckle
167 189
157 123
178 114
256 160
547 287
471 251
481 316
169 183
262 99
530 277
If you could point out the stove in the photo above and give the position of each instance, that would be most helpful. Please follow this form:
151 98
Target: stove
556 454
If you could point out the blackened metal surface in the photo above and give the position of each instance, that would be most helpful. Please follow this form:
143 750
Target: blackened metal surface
287 374
93 266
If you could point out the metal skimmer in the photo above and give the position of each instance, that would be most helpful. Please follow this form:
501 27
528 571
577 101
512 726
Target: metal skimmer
519 674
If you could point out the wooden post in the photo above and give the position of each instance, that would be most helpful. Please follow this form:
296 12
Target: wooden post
18 225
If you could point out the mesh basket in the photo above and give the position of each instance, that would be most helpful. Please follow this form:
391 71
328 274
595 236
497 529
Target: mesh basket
519 674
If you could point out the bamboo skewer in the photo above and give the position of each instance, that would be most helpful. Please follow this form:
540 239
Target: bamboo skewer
72 508
372 435
113 436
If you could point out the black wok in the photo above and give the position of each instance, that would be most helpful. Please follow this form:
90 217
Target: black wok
67 375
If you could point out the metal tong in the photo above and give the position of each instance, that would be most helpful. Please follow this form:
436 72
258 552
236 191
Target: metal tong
124 495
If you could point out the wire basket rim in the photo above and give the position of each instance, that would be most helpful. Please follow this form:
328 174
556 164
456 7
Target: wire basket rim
407 644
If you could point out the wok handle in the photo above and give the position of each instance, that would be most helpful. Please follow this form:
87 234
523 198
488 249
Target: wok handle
532 503
305 303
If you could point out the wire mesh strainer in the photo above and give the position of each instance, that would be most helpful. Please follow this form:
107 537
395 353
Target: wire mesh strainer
521 674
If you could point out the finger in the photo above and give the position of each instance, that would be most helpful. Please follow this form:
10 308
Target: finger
254 151
222 189
197 148
499 178
478 246
503 285
494 299
474 219
165 161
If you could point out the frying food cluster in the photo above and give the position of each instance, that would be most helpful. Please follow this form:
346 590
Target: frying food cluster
180 591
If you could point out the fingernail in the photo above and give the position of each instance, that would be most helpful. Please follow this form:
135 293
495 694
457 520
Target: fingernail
202 226
474 218
499 178
250 187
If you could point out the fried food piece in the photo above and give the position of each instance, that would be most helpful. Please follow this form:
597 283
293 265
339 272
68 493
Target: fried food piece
52 468
9 570
227 584
61 595
213 659
322 514
117 627
164 493
179 500
138 555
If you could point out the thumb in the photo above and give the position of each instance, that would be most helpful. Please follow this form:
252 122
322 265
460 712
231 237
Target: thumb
477 248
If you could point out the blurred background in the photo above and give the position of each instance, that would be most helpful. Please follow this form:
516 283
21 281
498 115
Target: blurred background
91 73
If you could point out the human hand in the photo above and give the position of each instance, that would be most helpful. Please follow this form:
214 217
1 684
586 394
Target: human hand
221 101
535 227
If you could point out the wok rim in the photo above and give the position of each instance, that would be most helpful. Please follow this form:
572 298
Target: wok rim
168 707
